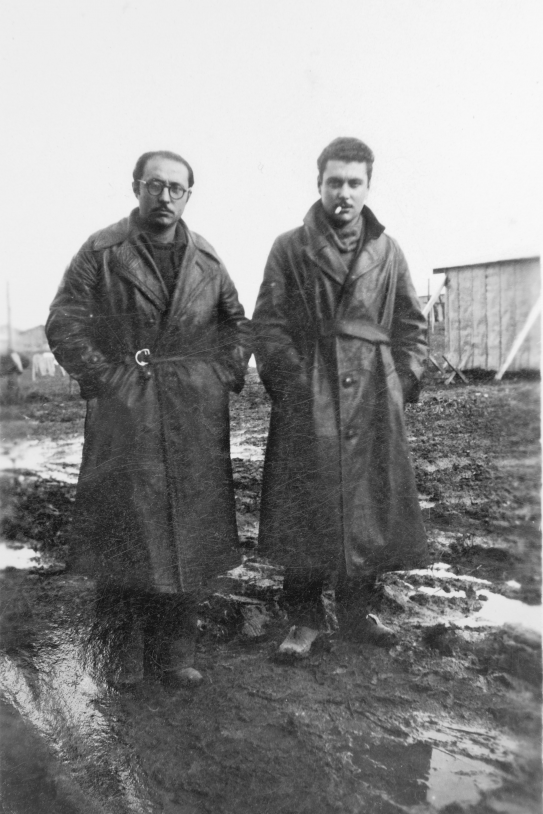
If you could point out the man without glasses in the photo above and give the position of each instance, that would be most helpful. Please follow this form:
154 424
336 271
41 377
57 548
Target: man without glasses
149 323
340 343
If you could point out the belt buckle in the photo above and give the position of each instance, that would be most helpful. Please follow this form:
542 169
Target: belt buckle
136 357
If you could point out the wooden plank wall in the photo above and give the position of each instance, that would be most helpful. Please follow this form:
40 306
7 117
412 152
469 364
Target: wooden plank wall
487 305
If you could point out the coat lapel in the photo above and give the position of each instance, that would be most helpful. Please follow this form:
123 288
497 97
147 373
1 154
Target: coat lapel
143 275
326 260
318 251
369 258
191 278
321 254
132 261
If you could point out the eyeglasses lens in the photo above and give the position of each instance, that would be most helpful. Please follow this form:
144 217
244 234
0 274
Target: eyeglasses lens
155 189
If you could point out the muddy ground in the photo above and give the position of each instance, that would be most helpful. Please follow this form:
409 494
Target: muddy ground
448 720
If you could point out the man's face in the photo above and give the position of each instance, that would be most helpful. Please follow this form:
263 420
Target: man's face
344 188
162 213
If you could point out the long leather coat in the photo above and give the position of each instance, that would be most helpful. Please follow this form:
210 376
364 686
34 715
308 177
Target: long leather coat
155 503
338 354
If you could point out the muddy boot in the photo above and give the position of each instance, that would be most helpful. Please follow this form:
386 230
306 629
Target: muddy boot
126 668
180 666
170 642
376 633
298 643
117 636
302 602
355 623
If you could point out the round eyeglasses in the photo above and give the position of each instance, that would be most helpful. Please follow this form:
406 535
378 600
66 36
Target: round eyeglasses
155 189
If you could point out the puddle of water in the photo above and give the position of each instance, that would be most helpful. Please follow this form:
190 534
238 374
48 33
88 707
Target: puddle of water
499 610
419 772
23 558
61 700
441 570
32 780
496 610
240 448
400 770
258 575
16 557
457 779
59 460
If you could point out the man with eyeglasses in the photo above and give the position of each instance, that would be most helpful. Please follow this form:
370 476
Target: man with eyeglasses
148 321
340 344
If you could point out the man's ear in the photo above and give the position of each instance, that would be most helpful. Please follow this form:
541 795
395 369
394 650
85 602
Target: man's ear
189 193
319 183
136 188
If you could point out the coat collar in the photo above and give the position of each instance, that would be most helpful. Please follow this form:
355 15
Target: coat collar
138 266
322 254
126 229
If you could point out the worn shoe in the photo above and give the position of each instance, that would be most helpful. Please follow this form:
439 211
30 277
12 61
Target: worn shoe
298 643
357 625
126 670
375 632
185 677
178 667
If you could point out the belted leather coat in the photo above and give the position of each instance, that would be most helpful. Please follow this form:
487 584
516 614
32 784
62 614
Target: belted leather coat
155 503
339 353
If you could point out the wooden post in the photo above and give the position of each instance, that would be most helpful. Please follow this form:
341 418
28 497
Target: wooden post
13 393
434 298
532 316
457 371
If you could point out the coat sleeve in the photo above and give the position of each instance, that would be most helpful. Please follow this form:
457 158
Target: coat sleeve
280 364
235 336
70 326
408 335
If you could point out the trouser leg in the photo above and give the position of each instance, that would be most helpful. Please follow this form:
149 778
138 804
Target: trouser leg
170 633
302 596
302 600
352 598
118 635
138 632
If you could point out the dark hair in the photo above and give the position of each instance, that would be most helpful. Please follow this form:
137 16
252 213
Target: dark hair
139 169
346 149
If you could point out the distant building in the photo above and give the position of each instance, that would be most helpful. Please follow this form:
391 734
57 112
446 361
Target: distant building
438 310
487 305
27 342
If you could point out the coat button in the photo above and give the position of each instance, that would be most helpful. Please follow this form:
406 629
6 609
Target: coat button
94 359
350 432
348 381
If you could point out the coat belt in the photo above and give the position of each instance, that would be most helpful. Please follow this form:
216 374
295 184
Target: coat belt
144 357
359 328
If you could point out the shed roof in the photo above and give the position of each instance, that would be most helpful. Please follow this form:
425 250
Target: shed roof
485 264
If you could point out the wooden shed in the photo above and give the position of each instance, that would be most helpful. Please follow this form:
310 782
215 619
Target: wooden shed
487 307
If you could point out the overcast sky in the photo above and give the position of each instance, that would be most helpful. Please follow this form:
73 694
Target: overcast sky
446 92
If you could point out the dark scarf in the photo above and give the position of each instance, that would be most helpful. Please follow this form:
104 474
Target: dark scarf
347 239
168 257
